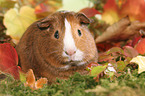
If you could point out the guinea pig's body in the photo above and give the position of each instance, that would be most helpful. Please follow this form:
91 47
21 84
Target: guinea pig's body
57 46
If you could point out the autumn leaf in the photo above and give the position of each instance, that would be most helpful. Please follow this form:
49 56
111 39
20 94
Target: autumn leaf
115 50
17 22
47 7
120 66
110 13
96 71
39 83
134 9
140 60
130 51
89 12
9 60
115 10
121 30
7 3
140 46
104 46
30 81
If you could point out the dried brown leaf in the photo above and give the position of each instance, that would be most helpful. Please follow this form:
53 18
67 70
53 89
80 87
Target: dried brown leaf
122 30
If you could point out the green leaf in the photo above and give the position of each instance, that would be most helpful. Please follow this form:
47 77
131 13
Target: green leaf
121 65
97 70
17 22
114 50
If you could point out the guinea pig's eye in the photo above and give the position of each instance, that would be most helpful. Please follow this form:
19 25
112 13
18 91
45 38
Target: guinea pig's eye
56 35
79 32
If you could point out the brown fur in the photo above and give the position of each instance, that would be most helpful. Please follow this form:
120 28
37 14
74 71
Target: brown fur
40 51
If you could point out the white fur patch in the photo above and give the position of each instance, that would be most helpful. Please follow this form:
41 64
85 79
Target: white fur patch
69 44
68 38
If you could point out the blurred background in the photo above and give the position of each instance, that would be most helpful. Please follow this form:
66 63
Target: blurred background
17 15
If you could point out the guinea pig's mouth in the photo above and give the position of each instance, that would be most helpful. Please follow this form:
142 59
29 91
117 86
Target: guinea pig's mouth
71 63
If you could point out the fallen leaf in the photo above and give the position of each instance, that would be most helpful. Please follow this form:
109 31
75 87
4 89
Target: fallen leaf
9 60
135 40
97 70
140 60
116 9
7 3
121 30
130 51
105 57
140 46
115 50
17 22
91 65
134 9
89 12
120 66
30 81
39 83
104 46
110 14
47 7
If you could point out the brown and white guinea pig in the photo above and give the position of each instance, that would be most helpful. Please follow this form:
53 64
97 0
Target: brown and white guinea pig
57 46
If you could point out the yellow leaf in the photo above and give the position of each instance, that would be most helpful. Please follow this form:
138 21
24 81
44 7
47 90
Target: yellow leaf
110 17
17 22
140 60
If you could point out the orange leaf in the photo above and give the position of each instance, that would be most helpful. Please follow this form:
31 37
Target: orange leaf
134 9
39 83
140 47
30 79
9 60
110 13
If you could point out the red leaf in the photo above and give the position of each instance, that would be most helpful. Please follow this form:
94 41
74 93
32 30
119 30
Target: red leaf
9 60
140 47
40 8
104 46
134 9
89 12
130 51
135 40
111 5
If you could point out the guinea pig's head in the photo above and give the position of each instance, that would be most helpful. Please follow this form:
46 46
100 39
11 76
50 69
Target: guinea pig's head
64 40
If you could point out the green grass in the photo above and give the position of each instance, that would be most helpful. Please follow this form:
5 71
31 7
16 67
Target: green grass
126 85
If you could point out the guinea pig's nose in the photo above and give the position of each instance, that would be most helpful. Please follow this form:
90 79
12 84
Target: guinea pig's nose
70 52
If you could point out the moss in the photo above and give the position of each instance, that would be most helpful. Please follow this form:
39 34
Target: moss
77 85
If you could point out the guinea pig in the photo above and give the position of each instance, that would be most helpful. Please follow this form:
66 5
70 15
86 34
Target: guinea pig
57 46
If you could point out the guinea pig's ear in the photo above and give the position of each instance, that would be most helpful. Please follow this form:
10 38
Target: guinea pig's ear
44 23
83 19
